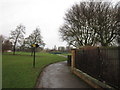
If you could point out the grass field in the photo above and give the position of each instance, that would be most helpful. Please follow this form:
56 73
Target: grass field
18 71
66 54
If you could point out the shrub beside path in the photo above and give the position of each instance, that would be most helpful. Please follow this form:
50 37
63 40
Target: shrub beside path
58 75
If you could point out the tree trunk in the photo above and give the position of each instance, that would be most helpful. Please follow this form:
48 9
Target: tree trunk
104 44
32 52
14 50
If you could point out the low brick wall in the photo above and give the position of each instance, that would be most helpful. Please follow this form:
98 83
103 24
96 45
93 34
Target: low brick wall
90 80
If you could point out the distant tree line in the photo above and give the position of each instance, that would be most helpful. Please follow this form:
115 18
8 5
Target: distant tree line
17 40
92 23
6 44
59 49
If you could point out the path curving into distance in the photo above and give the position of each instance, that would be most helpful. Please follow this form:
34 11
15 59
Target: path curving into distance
58 75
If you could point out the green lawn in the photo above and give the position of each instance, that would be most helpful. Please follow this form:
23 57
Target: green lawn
18 71
66 54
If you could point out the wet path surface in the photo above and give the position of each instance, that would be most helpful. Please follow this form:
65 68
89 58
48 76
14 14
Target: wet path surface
58 75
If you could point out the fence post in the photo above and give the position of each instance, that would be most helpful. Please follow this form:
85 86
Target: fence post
73 59
99 63
119 63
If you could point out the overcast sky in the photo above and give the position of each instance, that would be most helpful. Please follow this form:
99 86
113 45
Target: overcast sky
47 14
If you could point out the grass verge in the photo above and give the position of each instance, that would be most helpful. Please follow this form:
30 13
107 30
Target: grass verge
18 71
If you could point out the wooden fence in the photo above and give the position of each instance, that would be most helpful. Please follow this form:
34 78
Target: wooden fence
100 63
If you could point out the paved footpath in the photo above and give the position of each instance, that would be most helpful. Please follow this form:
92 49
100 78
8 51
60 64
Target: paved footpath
58 75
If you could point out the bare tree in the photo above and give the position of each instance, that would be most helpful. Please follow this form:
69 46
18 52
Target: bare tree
2 39
34 38
118 19
17 36
90 23
106 25
7 45
76 30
